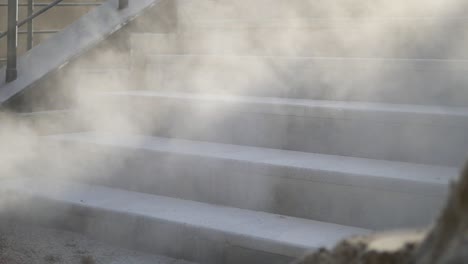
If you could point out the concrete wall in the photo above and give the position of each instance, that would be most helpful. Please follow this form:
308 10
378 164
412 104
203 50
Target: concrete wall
56 18
109 64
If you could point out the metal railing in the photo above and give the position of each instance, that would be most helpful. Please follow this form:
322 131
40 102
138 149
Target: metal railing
61 4
13 25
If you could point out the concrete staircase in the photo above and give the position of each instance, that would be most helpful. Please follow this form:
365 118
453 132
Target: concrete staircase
250 138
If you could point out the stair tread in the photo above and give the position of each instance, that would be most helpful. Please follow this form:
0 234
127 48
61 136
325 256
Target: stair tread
344 170
307 22
252 229
442 62
47 113
303 103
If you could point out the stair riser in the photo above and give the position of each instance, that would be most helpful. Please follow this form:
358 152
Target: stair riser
203 10
394 81
178 240
53 122
276 189
426 39
430 139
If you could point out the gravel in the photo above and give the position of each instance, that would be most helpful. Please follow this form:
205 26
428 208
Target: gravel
24 244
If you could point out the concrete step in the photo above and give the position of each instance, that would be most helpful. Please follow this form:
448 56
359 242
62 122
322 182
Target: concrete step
338 189
177 228
255 10
404 38
359 129
404 81
52 122
316 22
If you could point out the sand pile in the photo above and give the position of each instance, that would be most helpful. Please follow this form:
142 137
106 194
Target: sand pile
445 243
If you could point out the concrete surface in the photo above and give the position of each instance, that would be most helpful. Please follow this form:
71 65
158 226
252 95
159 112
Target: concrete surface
247 10
411 133
344 190
402 81
168 226
52 122
56 18
397 38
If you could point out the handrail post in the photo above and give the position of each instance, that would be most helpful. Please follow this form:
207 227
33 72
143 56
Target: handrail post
30 24
12 40
123 4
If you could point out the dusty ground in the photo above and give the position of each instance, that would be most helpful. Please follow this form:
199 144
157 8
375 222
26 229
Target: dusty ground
22 244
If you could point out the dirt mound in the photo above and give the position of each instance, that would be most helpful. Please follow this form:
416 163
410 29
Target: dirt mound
445 243
385 248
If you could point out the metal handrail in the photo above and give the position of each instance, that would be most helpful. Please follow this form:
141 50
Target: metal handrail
12 41
13 25
34 15
44 31
61 4
30 24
